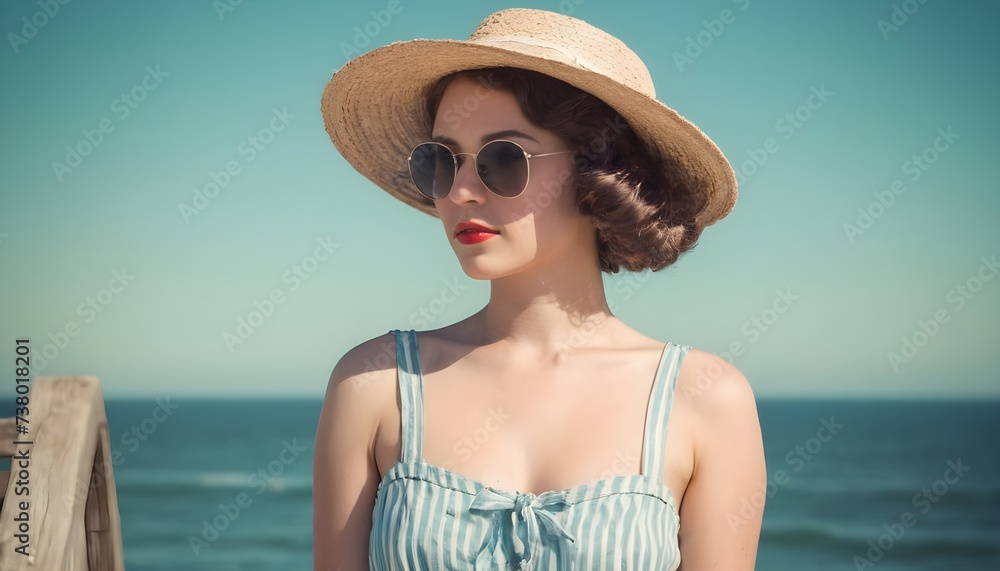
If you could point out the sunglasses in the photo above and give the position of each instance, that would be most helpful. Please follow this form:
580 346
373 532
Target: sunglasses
502 166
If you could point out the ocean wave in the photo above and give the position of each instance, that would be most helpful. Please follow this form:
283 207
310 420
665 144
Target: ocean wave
884 491
171 480
833 538
810 534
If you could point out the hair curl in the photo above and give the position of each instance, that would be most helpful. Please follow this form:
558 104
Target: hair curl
644 219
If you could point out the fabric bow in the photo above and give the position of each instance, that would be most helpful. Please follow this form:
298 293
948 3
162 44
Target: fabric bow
534 513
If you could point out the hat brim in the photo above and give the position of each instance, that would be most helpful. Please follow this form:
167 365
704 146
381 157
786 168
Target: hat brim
374 112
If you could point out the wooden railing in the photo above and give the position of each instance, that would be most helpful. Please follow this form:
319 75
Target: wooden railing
61 512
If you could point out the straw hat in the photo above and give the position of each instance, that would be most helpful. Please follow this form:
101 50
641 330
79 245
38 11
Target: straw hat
374 106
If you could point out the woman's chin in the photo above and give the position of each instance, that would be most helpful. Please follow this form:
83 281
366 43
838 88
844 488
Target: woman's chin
482 269
478 273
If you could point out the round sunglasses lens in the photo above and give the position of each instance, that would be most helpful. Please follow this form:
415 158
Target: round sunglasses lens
503 168
433 169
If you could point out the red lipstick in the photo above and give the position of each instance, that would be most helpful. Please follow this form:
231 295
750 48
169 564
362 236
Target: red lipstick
473 232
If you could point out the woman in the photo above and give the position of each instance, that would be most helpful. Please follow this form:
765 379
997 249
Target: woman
541 432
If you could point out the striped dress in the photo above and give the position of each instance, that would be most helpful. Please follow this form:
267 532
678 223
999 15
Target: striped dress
430 518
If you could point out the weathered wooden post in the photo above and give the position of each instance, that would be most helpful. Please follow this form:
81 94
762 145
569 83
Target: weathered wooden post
59 507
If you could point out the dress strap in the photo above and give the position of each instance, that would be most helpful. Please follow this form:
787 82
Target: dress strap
658 410
411 395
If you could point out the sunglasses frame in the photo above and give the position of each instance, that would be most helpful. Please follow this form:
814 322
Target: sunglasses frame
475 159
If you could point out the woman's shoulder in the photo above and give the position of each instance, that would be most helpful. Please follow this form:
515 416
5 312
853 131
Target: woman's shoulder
713 386
375 358
365 374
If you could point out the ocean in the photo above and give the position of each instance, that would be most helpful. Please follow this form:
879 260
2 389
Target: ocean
887 485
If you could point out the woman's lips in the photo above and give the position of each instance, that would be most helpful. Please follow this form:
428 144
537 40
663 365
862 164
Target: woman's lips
474 236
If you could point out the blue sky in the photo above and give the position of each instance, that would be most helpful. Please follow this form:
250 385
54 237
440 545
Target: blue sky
818 106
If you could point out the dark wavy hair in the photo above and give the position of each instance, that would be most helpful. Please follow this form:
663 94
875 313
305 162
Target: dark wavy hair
643 218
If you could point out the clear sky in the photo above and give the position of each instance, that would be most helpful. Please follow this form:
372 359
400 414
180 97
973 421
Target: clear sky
161 98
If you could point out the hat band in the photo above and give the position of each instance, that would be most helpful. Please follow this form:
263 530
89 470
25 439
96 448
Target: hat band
571 56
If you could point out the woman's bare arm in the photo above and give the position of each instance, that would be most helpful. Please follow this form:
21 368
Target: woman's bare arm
345 475
724 501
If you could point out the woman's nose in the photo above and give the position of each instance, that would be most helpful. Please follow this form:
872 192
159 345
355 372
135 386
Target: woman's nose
467 186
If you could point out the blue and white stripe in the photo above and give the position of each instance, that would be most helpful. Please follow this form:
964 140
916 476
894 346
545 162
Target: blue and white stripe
429 518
